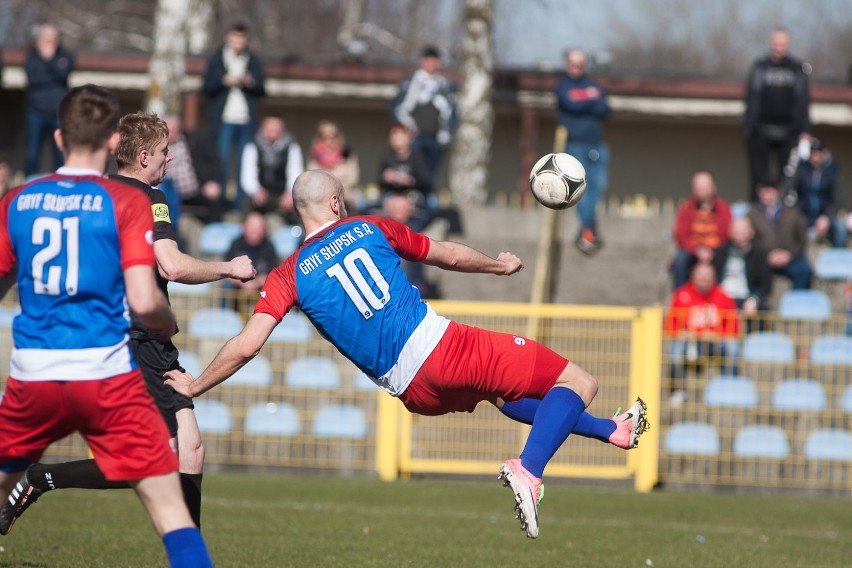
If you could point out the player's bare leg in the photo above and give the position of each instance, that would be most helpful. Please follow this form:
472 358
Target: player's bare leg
161 496
191 459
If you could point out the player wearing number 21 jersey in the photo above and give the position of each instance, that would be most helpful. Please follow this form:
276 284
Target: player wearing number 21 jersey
80 247
347 280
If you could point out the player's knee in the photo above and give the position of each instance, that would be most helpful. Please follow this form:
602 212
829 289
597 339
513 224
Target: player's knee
580 381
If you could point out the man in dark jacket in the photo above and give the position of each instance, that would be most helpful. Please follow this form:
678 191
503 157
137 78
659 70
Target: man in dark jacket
582 108
818 194
777 104
48 66
233 81
783 231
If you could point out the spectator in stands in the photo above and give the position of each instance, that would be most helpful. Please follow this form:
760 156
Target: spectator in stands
195 172
330 152
747 278
5 174
777 107
233 82
582 109
255 244
271 163
701 228
425 105
818 195
702 321
783 231
48 66
403 168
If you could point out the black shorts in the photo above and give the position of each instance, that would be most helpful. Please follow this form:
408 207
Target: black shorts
155 359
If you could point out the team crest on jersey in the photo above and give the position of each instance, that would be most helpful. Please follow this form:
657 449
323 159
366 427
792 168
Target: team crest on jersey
161 212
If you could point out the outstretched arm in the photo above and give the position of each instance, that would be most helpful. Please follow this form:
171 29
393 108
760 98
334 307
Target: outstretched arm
176 266
236 352
461 258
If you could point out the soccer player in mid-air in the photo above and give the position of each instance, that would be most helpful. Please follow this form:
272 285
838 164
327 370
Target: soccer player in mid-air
347 280
82 247
143 157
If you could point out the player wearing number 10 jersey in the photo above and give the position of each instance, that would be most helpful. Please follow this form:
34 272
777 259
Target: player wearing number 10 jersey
347 280
82 248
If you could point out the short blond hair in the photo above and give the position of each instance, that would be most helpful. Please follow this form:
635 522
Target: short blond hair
139 131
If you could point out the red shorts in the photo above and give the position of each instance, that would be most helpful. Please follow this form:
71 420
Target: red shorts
470 365
116 416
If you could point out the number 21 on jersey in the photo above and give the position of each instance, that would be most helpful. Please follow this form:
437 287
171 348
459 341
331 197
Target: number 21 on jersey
48 233
355 284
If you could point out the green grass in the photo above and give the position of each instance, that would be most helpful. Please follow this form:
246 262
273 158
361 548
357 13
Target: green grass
313 521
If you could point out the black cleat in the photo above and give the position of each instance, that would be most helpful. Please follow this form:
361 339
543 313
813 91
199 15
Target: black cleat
22 496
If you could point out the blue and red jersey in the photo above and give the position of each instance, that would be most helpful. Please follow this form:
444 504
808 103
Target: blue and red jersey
347 279
72 234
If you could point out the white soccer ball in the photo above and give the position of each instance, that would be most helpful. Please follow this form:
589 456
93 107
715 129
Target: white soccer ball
558 180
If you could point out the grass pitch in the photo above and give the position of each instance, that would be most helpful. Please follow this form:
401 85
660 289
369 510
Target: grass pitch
310 521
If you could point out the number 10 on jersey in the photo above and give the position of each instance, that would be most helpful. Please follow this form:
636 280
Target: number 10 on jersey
355 284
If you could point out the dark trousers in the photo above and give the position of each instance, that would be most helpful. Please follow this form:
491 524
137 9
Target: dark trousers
760 149
40 125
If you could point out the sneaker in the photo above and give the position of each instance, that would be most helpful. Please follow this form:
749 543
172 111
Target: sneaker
528 491
22 496
587 242
630 425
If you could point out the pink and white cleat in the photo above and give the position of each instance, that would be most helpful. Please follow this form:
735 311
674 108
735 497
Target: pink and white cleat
528 491
630 425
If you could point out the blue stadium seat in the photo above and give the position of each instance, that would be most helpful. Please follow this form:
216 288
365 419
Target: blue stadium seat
7 315
286 240
177 288
805 305
846 401
216 323
694 438
214 416
831 350
740 208
829 444
731 391
313 373
191 363
768 347
255 373
216 238
340 421
834 264
761 441
272 419
799 394
294 328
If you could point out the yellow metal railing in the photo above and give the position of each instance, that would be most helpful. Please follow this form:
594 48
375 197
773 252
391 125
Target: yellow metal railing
277 415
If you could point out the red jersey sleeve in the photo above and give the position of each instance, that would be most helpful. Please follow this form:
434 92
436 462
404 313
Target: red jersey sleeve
7 253
279 291
135 225
409 244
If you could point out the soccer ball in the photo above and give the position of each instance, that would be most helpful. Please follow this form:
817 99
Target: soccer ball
558 180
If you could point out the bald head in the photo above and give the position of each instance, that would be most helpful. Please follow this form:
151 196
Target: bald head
318 198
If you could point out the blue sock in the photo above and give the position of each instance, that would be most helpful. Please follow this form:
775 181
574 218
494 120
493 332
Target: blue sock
556 417
587 425
521 410
590 426
186 549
